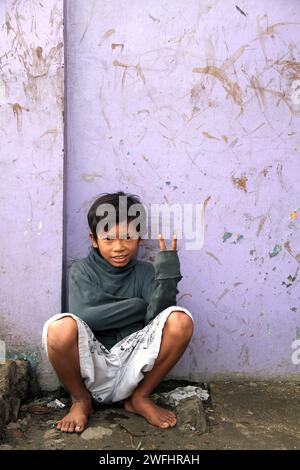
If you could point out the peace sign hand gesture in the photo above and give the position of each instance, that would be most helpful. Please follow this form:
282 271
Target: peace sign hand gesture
162 243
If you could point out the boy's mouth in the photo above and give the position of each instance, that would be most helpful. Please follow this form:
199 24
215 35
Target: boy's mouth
120 258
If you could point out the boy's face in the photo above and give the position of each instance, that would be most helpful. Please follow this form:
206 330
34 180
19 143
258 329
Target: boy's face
116 246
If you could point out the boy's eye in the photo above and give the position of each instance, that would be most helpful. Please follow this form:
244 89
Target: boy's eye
125 237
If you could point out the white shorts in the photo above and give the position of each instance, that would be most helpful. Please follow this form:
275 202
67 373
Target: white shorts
113 375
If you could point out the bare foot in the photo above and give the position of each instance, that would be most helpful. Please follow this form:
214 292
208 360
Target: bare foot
76 420
155 415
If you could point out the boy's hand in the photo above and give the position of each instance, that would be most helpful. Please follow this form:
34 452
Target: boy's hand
162 243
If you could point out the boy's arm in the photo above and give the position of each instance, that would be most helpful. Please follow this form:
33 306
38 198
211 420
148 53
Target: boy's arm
98 309
160 286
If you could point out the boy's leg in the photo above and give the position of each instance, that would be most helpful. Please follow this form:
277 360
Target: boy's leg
176 335
62 345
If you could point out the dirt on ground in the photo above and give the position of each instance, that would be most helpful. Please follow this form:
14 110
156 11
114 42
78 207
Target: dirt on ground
252 415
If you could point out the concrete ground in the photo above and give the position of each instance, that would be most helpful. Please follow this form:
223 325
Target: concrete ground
250 415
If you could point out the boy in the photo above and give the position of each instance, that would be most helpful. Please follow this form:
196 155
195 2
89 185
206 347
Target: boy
124 332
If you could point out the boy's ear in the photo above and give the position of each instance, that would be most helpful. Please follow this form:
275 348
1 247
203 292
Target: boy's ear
94 243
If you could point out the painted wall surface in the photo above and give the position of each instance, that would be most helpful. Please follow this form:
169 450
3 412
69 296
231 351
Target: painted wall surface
176 102
184 101
31 163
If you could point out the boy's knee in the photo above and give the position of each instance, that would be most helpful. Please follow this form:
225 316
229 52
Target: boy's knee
180 324
62 333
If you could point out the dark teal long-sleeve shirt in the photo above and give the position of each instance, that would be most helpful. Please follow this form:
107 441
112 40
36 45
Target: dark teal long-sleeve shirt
117 301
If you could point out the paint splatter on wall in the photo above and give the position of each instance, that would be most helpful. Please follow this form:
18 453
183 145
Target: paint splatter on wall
174 106
31 173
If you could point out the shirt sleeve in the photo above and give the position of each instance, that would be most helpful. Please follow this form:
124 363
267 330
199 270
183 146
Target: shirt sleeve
160 284
100 310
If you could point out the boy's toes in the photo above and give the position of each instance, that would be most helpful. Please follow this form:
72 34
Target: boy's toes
65 426
167 420
170 419
171 415
71 426
164 425
79 428
172 422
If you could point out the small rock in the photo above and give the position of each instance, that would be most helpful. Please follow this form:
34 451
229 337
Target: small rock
97 432
191 416
51 434
12 426
14 433
23 424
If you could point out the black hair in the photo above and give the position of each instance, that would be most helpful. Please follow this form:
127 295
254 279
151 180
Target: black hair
113 199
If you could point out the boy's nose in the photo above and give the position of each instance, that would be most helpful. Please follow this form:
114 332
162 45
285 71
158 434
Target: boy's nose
118 245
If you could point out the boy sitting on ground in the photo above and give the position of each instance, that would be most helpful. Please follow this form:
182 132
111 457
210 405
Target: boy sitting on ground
123 332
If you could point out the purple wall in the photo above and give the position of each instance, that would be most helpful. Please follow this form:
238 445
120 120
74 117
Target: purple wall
31 174
181 101
177 102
